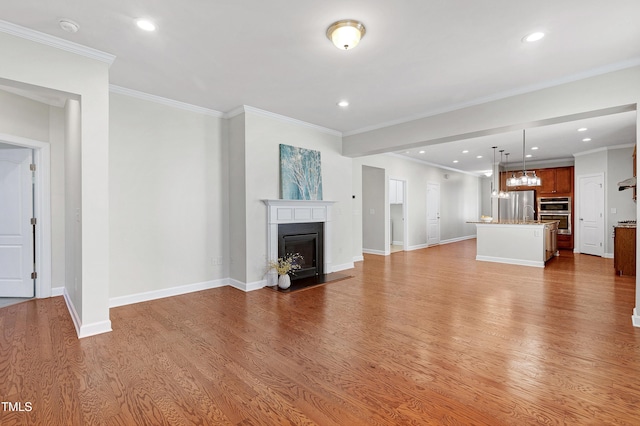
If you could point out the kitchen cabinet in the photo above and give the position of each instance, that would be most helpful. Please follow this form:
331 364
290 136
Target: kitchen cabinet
624 250
396 191
555 181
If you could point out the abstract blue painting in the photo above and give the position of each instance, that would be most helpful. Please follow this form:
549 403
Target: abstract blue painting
300 173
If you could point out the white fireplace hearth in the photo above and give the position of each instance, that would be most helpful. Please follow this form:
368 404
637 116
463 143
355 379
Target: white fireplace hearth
298 211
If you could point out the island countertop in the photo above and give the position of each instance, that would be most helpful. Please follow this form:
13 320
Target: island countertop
515 222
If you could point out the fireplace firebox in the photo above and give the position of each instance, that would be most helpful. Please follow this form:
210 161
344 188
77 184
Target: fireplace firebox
306 239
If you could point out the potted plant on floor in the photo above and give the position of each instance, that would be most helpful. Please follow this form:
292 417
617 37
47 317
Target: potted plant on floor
285 265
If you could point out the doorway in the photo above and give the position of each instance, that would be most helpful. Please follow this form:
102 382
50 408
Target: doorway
34 253
398 226
17 255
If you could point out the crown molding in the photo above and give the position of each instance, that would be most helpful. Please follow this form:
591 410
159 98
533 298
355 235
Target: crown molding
283 118
618 66
164 101
603 149
49 40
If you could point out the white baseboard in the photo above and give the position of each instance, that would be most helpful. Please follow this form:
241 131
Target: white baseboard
84 330
537 264
397 243
358 259
458 239
376 252
417 247
343 267
166 292
246 287
57 291
608 255
635 318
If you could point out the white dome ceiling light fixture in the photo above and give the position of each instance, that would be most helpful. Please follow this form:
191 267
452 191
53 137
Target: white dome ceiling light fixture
145 24
68 25
530 38
346 34
343 103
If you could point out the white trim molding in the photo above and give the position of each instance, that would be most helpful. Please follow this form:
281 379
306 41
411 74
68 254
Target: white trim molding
635 318
165 101
84 330
343 267
510 261
283 118
49 40
298 211
165 292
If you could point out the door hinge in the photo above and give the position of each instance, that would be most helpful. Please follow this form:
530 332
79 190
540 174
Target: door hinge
32 167
34 221
34 275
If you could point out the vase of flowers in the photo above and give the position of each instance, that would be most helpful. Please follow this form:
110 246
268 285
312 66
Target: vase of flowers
285 265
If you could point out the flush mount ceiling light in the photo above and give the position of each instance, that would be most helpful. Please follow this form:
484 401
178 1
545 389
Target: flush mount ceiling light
68 25
346 34
586 140
343 103
530 38
145 24
582 129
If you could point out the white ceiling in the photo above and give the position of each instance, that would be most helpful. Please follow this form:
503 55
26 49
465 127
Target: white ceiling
418 57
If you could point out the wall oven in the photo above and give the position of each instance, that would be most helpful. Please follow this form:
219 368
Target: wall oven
556 208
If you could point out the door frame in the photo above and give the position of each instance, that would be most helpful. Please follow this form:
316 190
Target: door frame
575 226
41 208
427 212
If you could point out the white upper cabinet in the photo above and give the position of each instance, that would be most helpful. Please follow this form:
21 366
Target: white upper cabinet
396 191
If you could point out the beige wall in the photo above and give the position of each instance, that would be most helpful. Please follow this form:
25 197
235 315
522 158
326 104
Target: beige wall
167 197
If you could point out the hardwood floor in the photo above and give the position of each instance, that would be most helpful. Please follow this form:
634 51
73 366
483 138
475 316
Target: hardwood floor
422 337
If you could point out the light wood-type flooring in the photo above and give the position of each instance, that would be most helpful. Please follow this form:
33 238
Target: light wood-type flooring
423 337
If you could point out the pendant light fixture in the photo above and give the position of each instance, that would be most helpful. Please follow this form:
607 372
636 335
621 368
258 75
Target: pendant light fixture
346 34
525 179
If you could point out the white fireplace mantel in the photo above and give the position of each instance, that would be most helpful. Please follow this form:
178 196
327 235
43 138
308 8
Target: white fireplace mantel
298 211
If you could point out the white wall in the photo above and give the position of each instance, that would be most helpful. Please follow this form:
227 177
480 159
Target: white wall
263 134
167 196
374 218
460 196
397 231
237 199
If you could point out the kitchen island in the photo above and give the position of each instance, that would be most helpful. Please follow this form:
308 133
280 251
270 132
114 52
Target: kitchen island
528 243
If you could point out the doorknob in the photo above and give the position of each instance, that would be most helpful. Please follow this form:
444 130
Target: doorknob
581 219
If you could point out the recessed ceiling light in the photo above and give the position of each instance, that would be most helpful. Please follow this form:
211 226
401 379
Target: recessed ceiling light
343 103
145 24
68 25
533 148
529 155
421 152
533 37
582 129
406 152
455 161
479 156
586 140
465 151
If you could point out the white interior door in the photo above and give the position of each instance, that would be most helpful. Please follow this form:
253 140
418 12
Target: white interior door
16 231
433 213
591 214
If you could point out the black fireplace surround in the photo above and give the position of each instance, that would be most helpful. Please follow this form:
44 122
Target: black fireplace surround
307 239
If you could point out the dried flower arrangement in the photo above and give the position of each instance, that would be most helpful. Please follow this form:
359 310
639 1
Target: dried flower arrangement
286 264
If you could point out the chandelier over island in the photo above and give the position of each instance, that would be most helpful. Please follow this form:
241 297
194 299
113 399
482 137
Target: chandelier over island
525 179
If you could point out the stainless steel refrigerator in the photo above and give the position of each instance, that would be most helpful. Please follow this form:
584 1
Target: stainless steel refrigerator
519 206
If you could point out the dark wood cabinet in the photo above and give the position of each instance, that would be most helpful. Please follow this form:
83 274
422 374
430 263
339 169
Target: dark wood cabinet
553 181
556 181
624 250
